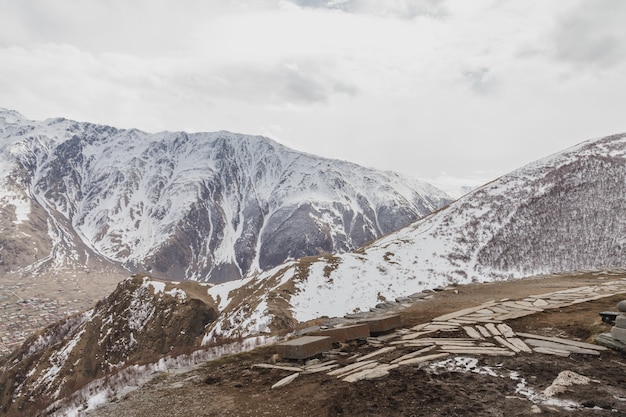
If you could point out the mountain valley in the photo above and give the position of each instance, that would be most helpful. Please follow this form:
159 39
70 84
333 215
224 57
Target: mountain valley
232 241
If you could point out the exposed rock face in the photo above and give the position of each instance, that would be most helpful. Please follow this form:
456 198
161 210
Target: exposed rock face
140 322
206 206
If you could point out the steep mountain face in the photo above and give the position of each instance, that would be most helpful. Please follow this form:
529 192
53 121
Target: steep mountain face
140 322
562 213
205 206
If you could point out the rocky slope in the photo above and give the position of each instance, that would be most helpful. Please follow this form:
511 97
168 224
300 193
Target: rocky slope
562 213
204 206
142 321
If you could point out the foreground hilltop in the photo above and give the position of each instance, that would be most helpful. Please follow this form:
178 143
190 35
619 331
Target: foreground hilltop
498 383
561 213
201 206
456 386
142 321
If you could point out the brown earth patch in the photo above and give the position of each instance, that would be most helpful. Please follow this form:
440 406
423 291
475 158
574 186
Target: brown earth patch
231 387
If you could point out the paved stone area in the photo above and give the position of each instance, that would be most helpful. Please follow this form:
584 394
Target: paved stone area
484 332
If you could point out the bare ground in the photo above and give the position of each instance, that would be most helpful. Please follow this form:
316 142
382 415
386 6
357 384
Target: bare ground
231 387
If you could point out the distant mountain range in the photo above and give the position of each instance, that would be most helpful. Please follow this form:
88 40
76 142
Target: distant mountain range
205 206
563 213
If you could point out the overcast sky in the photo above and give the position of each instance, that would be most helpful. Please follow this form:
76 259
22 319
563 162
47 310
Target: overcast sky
431 88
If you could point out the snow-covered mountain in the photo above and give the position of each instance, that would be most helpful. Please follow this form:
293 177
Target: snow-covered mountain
562 213
566 212
202 206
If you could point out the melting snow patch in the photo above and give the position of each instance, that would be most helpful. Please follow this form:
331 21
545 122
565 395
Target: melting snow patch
101 391
565 378
159 287
97 400
220 292
463 364
21 204
177 293
139 312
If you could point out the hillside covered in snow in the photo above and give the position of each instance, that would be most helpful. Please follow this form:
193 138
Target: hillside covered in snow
561 213
203 206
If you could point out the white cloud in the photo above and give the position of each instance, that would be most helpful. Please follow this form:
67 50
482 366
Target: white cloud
422 87
593 34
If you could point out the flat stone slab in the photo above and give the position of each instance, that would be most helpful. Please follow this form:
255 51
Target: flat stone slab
605 339
285 381
490 351
537 343
555 352
304 347
422 359
351 368
345 333
281 367
383 324
376 353
562 341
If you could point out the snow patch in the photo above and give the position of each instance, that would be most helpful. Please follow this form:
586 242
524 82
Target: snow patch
20 203
467 364
158 287
177 293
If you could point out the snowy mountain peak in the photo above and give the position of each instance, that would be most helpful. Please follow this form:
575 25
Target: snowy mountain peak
203 206
10 117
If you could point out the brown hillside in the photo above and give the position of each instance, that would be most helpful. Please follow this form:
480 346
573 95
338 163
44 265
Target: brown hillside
232 387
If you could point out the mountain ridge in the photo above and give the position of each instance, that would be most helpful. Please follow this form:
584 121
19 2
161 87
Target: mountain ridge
202 206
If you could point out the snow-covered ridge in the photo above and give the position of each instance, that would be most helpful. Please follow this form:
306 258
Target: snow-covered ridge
204 206
562 213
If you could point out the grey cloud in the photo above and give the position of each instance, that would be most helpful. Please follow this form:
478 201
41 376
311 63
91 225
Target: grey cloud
325 4
406 9
141 27
593 34
307 83
480 79
297 86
